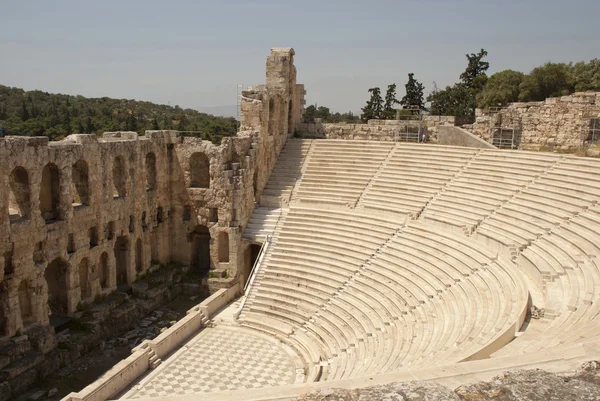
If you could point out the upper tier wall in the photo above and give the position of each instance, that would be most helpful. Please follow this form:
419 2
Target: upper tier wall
561 123
80 216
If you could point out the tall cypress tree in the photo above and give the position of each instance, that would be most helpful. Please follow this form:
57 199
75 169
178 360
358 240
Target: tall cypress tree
389 112
374 107
414 93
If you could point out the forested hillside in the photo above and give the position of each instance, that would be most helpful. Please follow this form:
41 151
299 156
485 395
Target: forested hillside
37 113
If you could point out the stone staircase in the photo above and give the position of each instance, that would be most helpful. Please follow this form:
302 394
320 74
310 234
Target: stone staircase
262 223
274 236
287 171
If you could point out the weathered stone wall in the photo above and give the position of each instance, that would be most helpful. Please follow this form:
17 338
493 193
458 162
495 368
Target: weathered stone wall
88 214
378 130
560 123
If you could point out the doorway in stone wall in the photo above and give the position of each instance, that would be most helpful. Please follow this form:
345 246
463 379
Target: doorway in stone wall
200 257
58 304
122 261
254 252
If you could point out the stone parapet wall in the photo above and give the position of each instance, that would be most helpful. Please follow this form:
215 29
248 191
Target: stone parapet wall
560 123
378 130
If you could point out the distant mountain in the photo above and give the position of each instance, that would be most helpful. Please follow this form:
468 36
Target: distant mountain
37 113
229 110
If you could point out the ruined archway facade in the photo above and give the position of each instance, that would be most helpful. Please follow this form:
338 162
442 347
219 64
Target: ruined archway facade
93 212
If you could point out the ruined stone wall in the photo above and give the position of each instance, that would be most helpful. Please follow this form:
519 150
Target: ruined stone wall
560 123
83 216
376 130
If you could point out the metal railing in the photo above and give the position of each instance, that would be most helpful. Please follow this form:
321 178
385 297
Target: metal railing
253 273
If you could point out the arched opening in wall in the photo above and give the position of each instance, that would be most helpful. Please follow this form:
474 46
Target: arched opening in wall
84 279
3 300
255 183
271 126
19 204
200 258
25 303
154 257
254 252
139 263
282 120
56 279
50 192
199 171
9 267
150 171
119 175
290 118
104 270
81 189
223 247
122 259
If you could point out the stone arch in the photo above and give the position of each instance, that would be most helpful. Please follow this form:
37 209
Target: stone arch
24 292
271 127
104 270
84 279
282 120
56 279
119 174
80 177
19 199
50 192
139 257
122 260
290 118
4 327
150 171
223 247
200 257
255 183
199 171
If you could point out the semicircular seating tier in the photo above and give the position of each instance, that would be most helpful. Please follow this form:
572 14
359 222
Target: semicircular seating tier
388 256
362 295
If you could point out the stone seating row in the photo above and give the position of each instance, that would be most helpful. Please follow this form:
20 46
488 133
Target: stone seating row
564 263
262 223
491 179
338 174
408 180
287 169
328 271
549 201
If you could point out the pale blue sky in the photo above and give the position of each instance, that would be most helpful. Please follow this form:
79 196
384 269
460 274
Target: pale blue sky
194 53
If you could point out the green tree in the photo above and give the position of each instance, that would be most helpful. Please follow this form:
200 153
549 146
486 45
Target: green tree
586 76
310 113
89 125
389 112
131 123
414 93
323 113
501 88
155 126
24 112
457 100
474 76
549 80
374 107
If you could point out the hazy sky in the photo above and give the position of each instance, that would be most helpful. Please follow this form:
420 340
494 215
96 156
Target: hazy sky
194 52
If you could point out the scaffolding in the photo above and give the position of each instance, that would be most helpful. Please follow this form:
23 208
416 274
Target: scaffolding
410 125
505 128
590 129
